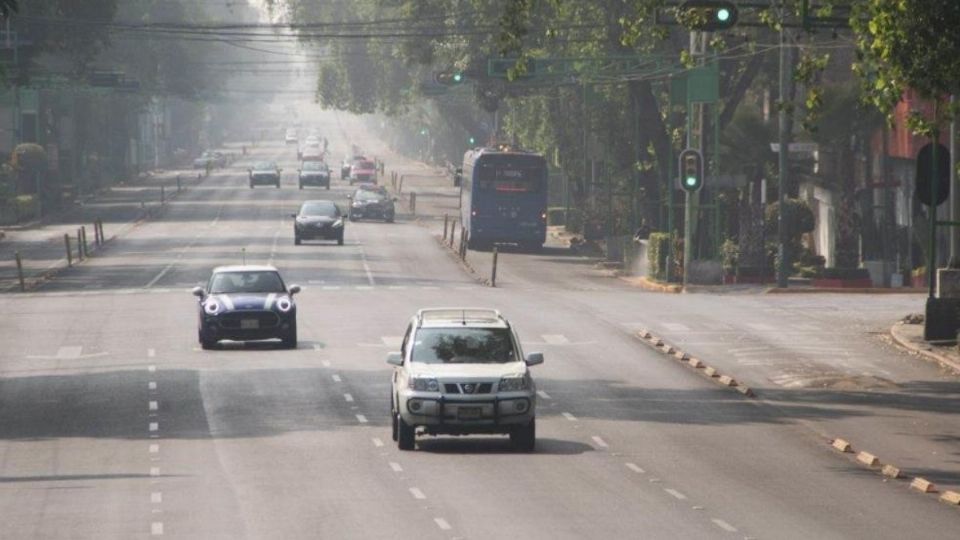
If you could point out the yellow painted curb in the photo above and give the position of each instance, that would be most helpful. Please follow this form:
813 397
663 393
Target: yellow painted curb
950 497
710 371
868 459
727 380
680 355
923 485
842 445
695 363
891 472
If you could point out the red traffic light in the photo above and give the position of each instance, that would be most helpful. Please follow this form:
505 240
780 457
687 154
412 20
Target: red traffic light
708 15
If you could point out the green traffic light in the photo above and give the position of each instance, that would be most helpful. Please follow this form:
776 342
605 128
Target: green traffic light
723 15
472 140
457 77
692 181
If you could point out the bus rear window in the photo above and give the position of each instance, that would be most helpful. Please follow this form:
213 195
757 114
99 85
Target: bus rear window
507 179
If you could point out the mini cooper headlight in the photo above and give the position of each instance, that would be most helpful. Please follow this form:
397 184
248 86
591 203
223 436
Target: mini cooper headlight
513 383
284 304
212 307
422 384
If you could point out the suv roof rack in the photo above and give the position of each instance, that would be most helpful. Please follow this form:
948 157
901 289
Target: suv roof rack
461 315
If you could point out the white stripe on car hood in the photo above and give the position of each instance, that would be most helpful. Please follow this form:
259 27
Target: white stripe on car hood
268 303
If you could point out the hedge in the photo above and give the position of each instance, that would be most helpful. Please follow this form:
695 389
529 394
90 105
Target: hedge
658 248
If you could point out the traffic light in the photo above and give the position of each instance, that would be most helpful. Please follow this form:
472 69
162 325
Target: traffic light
449 78
472 141
708 15
691 170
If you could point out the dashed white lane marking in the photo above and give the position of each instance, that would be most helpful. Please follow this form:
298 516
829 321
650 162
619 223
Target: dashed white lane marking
417 494
397 287
600 442
366 267
633 467
348 398
363 288
761 327
156 528
154 426
377 442
156 497
442 523
152 368
159 276
675 327
153 405
152 385
676 494
555 339
392 341
396 466
71 352
317 347
362 419
336 378
273 248
151 353
154 448
154 471
331 288
543 394
325 363
569 417
724 525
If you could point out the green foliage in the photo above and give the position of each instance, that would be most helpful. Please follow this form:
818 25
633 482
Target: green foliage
658 249
907 44
730 254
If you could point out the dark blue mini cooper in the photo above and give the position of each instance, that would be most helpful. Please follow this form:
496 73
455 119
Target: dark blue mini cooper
246 303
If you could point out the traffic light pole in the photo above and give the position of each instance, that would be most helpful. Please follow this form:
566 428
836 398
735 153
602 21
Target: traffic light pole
687 236
784 136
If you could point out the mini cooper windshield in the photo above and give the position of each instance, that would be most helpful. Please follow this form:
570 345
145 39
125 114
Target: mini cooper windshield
319 209
463 346
246 282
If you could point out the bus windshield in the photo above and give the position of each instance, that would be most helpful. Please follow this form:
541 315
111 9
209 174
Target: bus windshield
510 177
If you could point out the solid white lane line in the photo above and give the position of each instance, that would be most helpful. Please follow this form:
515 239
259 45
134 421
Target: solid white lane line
156 497
724 525
154 426
377 442
348 398
151 353
543 394
362 419
569 417
442 523
154 448
417 494
336 378
156 528
676 494
68 353
396 466
152 385
600 442
153 405
633 467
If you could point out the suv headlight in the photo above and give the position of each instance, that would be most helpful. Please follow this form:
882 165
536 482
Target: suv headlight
424 384
212 307
513 383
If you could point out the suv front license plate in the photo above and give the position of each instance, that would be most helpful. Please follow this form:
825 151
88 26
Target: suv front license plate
249 324
468 413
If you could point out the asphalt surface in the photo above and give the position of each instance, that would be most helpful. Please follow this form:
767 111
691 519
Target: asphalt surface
114 424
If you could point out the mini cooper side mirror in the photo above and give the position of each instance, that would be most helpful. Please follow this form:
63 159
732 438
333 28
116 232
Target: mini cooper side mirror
294 289
198 292
534 359
394 359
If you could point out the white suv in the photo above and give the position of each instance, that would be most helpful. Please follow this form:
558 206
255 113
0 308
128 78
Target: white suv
462 371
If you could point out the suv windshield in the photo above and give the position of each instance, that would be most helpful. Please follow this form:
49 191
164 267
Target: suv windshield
463 346
367 195
246 282
312 166
264 166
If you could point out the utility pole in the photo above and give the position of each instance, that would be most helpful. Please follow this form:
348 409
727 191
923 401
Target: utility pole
954 197
784 137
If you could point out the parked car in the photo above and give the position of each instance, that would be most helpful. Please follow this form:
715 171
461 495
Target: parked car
265 172
246 303
372 204
210 158
363 170
291 137
461 371
314 173
318 219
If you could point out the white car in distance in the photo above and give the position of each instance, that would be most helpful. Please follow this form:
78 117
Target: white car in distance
462 371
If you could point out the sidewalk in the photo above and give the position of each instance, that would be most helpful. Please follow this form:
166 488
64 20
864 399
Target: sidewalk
910 337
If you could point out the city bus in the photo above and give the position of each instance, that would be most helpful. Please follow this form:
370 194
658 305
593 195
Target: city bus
503 198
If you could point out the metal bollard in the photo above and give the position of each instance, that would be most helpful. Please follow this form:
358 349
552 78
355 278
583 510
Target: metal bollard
66 240
446 218
79 245
103 239
493 271
413 202
83 235
400 185
96 234
23 285
453 232
463 239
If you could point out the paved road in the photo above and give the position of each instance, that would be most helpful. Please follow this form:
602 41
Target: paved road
113 424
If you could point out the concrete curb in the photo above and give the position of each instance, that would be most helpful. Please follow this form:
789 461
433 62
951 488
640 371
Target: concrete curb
644 283
913 348
462 262
841 290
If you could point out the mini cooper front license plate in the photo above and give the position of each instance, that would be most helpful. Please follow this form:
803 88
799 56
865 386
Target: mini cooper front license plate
249 324
468 413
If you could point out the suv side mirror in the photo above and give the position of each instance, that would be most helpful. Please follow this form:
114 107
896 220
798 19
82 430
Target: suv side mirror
198 292
294 289
534 359
395 359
